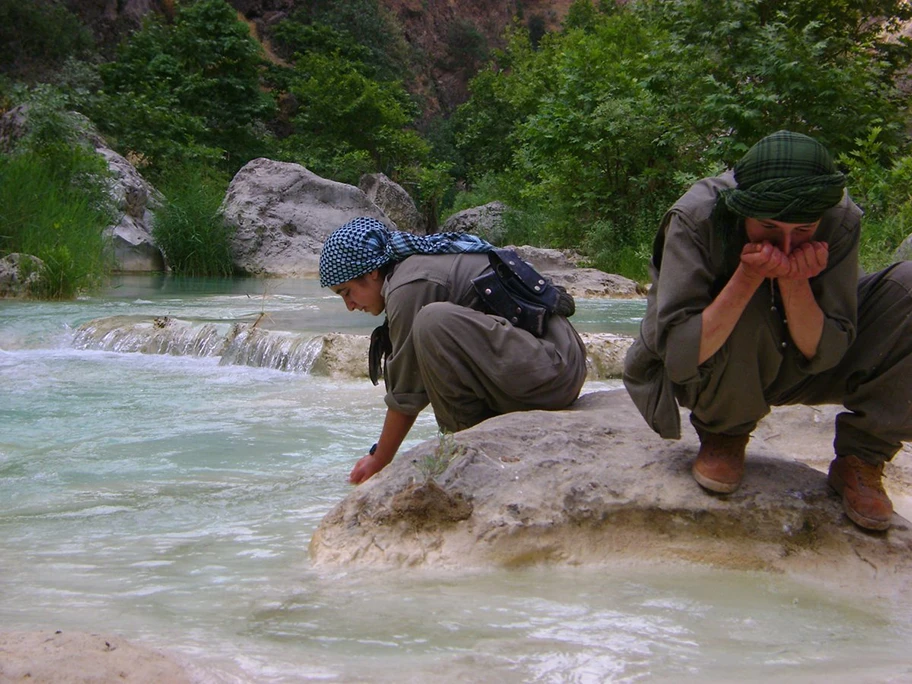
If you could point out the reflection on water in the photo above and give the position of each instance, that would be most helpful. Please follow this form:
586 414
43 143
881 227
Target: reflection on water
171 500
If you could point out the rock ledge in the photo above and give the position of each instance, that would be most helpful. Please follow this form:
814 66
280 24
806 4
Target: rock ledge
593 485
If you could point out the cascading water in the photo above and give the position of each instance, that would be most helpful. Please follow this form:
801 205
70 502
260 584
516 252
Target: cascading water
152 489
236 344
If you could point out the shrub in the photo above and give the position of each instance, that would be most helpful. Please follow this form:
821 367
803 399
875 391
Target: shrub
54 201
52 218
189 228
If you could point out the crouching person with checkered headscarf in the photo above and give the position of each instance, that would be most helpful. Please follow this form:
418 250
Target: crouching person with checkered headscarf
757 302
443 349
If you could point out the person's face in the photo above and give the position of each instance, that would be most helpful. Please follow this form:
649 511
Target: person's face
785 236
363 293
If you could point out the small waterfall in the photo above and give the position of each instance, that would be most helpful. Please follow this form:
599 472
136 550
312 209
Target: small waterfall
249 346
163 335
238 344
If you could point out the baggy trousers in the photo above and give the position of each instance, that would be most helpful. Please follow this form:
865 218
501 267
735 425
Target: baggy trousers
475 366
873 381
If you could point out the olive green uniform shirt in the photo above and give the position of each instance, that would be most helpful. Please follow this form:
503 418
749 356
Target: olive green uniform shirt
468 364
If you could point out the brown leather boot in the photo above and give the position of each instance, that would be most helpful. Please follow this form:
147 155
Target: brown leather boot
720 462
863 496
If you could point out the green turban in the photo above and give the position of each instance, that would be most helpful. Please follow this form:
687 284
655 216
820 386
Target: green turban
786 177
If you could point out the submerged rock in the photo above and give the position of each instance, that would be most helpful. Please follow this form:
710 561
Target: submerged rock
80 657
593 485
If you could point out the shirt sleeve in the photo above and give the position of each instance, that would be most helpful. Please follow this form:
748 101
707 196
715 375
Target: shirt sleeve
836 292
685 286
405 390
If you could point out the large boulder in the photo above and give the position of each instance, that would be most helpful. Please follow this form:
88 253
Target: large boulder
605 353
394 201
593 485
593 283
135 200
281 213
485 221
562 266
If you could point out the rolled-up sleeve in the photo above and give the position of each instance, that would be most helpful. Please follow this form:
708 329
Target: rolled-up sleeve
405 391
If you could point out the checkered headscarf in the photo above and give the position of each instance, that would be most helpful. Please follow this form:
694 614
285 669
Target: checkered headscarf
785 177
364 244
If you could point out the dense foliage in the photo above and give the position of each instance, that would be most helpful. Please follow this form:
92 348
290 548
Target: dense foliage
54 203
591 136
588 134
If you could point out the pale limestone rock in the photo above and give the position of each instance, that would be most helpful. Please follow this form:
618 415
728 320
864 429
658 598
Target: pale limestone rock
593 485
135 200
281 213
591 283
605 354
81 658
562 267
342 356
485 221
394 201
19 273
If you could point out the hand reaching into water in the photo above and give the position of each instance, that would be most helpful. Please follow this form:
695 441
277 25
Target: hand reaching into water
367 467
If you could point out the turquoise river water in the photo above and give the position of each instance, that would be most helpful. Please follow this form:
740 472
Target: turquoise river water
169 498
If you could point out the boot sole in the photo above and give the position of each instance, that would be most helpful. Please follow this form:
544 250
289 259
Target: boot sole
714 485
837 485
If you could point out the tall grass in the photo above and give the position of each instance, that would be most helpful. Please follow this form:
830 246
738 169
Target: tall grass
880 181
54 197
47 214
189 228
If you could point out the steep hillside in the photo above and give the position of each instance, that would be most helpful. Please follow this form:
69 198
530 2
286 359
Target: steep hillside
455 37
449 40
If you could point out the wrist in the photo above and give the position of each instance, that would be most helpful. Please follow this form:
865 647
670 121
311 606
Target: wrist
747 277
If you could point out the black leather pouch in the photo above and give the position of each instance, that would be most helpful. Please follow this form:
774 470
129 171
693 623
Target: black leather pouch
516 291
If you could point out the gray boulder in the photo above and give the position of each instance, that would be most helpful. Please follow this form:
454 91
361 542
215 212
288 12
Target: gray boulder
562 267
605 354
281 213
485 221
548 260
394 201
135 200
590 282
594 486
19 273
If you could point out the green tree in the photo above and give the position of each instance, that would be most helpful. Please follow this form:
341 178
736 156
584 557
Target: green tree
740 69
347 123
37 36
359 30
187 90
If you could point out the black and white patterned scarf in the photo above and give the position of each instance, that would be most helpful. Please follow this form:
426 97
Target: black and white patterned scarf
364 244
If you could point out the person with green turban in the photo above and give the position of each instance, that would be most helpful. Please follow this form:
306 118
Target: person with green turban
757 300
